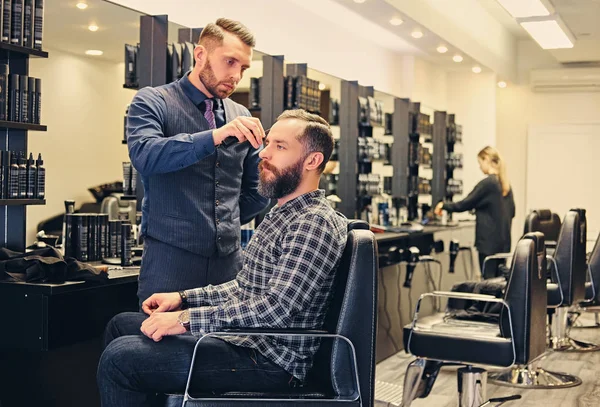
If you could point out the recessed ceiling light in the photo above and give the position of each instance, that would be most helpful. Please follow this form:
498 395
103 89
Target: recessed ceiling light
95 52
527 8
93 27
396 21
476 69
81 6
457 58
502 84
359 1
322 86
442 49
417 34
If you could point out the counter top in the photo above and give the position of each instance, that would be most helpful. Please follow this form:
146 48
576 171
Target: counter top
388 236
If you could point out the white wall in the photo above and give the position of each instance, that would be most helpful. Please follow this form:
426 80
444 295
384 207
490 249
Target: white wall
83 105
472 97
518 108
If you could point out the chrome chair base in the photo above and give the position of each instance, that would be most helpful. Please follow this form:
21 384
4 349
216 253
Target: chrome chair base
569 344
526 377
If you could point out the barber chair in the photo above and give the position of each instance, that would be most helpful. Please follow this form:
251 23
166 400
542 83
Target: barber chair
547 222
517 338
343 372
592 288
568 284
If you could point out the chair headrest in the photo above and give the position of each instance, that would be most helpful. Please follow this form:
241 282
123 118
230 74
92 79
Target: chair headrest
544 214
538 239
356 224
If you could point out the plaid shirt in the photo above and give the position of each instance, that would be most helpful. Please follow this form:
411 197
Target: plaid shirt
285 282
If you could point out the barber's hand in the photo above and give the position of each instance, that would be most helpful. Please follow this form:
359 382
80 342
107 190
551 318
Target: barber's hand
438 209
243 128
162 302
161 324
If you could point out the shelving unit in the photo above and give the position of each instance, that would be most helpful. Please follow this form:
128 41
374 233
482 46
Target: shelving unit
446 134
13 212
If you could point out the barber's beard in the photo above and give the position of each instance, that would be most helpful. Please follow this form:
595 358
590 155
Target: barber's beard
211 83
282 182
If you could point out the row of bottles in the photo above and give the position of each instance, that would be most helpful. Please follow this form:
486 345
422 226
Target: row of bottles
22 178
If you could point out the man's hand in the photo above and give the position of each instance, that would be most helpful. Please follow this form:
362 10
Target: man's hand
162 302
161 324
243 128
438 209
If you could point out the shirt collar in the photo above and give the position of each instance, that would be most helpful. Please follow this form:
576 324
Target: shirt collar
193 93
300 202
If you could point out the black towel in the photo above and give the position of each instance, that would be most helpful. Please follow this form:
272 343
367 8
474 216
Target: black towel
46 265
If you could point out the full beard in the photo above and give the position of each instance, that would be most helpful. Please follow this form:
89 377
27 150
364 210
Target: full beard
283 183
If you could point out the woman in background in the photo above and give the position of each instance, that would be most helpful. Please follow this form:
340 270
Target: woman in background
493 202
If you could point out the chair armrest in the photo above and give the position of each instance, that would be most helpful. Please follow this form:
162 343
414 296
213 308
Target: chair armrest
499 256
276 332
551 244
464 296
266 331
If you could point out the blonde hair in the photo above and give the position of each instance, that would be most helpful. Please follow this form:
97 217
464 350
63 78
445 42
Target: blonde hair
498 164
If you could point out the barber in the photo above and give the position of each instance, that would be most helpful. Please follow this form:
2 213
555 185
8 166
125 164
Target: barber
494 206
197 190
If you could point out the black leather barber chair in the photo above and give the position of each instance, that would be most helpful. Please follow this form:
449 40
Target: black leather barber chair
547 222
567 286
592 287
344 366
517 338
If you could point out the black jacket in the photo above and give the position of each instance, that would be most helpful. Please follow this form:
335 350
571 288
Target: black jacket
492 229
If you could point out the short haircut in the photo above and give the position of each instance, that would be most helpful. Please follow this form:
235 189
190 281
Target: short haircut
317 135
213 34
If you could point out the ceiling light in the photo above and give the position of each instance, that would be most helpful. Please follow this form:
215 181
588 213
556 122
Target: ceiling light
322 86
359 1
417 34
476 69
550 33
442 49
81 6
93 27
396 21
457 58
502 84
527 8
94 52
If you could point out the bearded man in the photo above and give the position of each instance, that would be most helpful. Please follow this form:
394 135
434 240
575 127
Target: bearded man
285 282
197 190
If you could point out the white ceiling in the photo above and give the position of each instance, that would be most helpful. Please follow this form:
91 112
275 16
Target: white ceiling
581 16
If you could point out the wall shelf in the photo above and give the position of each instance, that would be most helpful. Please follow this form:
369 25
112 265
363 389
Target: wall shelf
22 50
22 126
13 202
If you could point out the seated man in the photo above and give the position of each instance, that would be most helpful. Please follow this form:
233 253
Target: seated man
285 282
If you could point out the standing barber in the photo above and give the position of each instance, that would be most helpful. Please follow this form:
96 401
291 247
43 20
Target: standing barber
197 191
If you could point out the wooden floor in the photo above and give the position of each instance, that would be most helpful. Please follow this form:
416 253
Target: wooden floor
390 378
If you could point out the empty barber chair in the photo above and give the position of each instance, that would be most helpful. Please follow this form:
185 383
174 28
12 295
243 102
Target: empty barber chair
344 366
568 273
516 339
592 287
547 222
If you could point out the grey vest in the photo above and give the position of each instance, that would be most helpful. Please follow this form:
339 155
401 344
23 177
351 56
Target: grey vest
197 207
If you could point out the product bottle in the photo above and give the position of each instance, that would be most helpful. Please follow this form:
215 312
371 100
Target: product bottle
23 100
31 174
40 183
17 23
3 92
13 182
28 23
126 243
22 176
66 229
13 98
31 108
38 101
38 24
5 174
6 17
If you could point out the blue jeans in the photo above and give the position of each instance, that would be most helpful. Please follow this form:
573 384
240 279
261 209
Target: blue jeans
134 370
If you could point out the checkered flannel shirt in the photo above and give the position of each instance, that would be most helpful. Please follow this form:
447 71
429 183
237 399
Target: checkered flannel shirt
285 282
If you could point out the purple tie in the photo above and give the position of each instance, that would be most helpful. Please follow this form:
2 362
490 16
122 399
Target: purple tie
209 115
